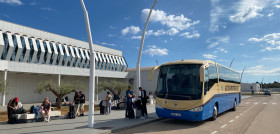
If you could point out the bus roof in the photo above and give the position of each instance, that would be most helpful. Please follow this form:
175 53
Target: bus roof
193 62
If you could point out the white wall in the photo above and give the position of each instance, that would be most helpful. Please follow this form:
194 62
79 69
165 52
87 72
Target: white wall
145 82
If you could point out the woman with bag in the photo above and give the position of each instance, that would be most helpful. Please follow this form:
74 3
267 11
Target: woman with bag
108 103
45 109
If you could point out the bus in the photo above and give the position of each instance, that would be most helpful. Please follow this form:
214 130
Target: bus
195 90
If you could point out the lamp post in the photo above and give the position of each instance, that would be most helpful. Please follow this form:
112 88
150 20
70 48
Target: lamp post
232 62
92 69
138 76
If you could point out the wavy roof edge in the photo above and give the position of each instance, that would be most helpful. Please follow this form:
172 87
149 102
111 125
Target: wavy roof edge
44 35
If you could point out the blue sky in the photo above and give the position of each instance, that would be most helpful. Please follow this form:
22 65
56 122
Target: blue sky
247 30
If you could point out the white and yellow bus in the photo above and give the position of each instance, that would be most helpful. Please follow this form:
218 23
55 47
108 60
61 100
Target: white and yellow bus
196 90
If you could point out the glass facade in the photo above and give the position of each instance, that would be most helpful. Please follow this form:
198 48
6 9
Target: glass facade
30 50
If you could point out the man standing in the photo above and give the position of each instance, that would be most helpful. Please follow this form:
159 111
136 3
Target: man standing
143 97
129 97
82 103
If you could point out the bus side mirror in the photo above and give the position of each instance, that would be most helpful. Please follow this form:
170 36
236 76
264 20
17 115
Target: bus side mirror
202 73
152 72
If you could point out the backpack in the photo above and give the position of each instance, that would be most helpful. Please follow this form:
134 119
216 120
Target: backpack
130 113
31 109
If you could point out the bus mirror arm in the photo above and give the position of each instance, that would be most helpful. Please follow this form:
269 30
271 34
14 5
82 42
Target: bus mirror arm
152 72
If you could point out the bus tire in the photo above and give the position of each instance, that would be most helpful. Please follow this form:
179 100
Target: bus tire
234 106
215 112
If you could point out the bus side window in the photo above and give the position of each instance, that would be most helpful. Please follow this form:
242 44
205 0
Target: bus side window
206 87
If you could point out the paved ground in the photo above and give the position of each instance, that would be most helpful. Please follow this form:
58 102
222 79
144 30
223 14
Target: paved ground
256 115
103 124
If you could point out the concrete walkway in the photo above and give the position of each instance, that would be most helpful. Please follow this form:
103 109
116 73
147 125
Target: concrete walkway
104 124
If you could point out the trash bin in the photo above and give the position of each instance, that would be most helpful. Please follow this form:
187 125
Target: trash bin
101 106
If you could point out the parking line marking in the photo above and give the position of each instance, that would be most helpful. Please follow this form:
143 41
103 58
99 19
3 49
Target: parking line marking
214 132
237 117
224 126
241 114
256 103
231 120
273 103
265 103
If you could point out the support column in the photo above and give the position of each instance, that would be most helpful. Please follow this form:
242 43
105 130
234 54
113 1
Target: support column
59 78
5 82
96 88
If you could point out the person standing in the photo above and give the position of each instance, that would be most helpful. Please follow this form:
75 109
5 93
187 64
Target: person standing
129 97
143 97
116 99
108 103
82 103
76 102
45 109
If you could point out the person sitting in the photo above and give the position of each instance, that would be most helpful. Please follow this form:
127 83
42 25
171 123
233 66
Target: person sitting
13 108
45 109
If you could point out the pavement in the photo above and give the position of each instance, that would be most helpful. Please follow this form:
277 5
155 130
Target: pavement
104 124
258 114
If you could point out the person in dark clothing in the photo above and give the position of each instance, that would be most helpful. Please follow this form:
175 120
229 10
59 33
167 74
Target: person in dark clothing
82 103
143 97
76 102
116 99
129 97
12 109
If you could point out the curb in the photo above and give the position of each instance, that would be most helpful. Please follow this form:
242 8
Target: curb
139 124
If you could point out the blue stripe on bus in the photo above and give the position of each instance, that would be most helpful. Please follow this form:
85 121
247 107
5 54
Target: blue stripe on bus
225 102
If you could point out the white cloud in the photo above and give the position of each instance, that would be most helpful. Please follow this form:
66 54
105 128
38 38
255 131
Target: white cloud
12 2
271 58
215 41
112 27
172 21
250 9
172 31
111 35
270 14
136 37
47 9
130 30
222 50
215 14
189 35
241 44
261 70
255 40
209 56
108 44
155 51
272 41
277 6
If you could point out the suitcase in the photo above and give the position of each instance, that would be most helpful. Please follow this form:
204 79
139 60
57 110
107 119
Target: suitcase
71 113
131 114
102 110
138 113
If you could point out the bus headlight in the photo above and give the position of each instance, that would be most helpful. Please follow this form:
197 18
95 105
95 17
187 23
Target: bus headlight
159 106
197 109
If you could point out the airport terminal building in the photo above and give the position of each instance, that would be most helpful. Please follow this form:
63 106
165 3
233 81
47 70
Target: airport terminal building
28 56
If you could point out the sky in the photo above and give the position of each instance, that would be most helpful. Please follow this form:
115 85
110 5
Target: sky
244 30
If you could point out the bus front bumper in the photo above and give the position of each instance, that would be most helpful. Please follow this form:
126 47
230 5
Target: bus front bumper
180 115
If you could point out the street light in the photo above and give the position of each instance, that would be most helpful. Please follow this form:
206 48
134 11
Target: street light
138 76
232 62
92 69
242 74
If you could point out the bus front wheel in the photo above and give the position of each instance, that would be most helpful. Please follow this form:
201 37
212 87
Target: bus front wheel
234 106
215 113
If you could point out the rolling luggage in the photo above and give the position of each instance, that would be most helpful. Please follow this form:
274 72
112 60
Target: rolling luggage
131 114
102 110
71 113
138 113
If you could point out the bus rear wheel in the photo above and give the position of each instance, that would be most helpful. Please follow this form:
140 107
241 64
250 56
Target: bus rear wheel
215 113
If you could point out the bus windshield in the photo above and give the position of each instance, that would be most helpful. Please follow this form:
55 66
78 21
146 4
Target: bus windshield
179 82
